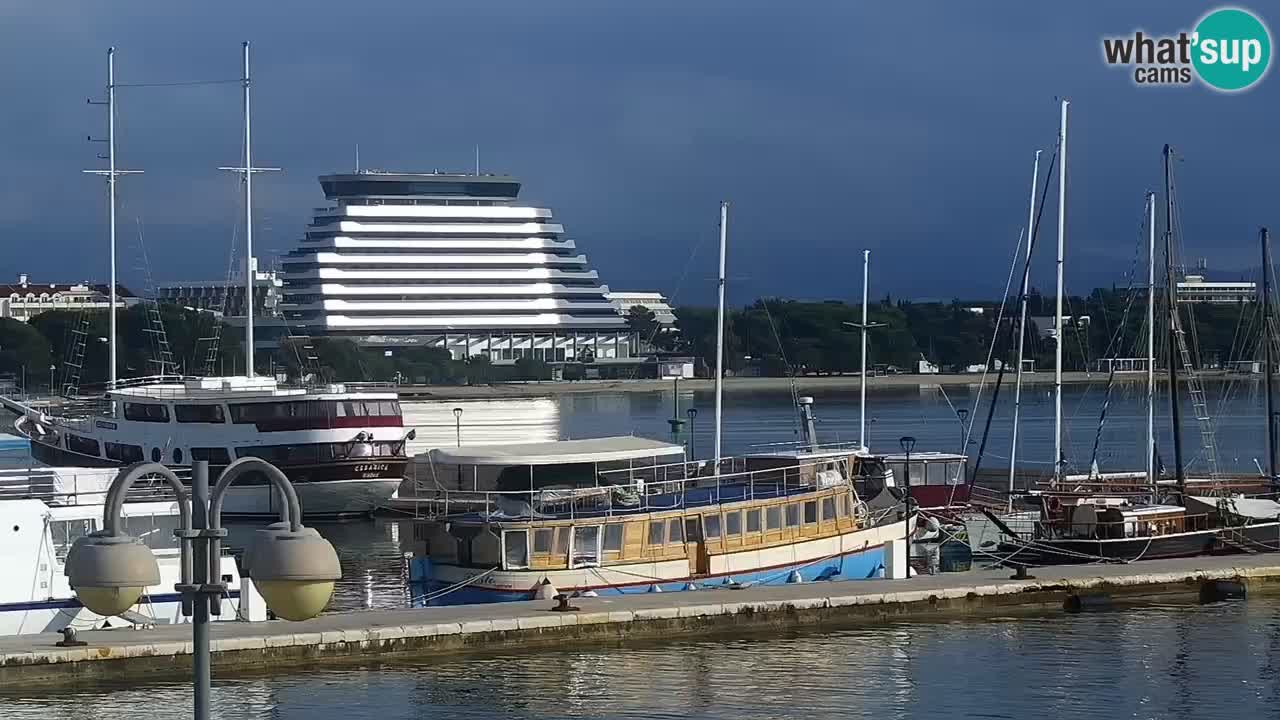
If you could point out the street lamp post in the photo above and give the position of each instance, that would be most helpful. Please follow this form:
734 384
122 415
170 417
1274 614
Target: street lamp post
907 443
457 424
963 415
692 413
293 567
52 369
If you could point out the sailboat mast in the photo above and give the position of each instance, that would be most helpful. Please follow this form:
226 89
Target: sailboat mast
724 229
1022 326
1172 292
862 382
1266 344
249 262
1151 339
1058 336
112 370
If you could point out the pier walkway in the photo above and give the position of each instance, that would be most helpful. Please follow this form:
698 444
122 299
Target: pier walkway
367 635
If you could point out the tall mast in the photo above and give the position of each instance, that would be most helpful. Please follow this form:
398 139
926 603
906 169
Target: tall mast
1266 343
1172 292
724 229
250 264
111 173
1022 326
1058 336
862 383
1151 339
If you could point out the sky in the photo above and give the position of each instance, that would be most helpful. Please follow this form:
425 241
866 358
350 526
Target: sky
905 128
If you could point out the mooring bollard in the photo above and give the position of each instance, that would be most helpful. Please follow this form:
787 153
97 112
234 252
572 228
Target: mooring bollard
1212 591
562 604
69 638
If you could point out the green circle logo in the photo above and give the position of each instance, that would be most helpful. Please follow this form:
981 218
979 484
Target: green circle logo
1232 49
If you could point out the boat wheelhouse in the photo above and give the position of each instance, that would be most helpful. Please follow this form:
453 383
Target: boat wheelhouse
617 515
344 451
937 479
44 511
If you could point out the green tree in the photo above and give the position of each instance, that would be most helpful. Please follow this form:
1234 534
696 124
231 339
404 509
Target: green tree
23 350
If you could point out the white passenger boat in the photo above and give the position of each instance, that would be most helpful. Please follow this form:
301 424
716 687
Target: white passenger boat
43 511
515 522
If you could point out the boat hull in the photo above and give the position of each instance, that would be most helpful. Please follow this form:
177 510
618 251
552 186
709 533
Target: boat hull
853 556
328 491
1072 551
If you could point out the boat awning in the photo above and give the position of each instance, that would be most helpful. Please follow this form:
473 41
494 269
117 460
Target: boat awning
1253 508
561 452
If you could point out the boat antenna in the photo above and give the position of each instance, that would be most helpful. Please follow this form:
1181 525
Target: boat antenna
1267 360
357 158
1057 337
719 421
1022 328
250 263
111 173
477 159
1151 342
1172 293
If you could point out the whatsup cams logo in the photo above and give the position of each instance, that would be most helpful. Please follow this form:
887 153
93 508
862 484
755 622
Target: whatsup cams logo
1229 50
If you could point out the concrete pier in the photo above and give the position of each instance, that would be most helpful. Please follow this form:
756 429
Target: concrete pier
344 637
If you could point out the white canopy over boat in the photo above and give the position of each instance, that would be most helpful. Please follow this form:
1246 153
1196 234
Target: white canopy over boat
1253 508
560 452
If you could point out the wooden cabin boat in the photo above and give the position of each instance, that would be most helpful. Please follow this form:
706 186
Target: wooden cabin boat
617 515
938 480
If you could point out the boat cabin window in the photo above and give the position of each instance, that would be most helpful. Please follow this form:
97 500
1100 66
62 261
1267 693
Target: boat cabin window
121 452
542 541
843 504
793 515
65 532
753 521
562 541
711 527
586 546
515 549
657 532
612 538
214 455
146 412
733 523
677 532
811 512
692 529
773 517
199 413
156 531
82 445
828 509
315 409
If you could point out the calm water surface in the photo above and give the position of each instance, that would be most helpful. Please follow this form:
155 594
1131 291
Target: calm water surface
1220 661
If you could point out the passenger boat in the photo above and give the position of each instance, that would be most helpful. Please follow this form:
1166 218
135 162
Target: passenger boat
44 510
626 515
344 451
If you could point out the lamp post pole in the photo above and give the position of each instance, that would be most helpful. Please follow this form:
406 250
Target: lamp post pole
907 442
457 424
692 413
294 566
963 415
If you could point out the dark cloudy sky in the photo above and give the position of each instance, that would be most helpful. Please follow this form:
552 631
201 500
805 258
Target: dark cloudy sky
906 128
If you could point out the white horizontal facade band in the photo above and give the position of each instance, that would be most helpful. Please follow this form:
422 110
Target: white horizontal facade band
533 243
441 259
461 322
338 289
528 228
531 304
529 274
492 212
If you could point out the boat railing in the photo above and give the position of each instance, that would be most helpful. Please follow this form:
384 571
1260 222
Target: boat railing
1132 527
800 446
73 486
629 491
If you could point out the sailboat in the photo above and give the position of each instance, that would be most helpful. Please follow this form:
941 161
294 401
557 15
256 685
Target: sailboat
343 450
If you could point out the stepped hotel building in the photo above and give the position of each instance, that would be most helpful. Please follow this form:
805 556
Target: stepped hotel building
450 261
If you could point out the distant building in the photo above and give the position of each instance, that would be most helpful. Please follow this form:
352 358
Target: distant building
226 298
1195 289
24 299
654 301
1046 327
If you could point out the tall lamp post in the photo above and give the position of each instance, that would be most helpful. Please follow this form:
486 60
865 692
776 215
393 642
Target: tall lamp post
457 424
293 567
963 415
692 413
907 443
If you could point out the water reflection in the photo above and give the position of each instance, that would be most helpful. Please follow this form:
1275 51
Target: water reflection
1159 662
